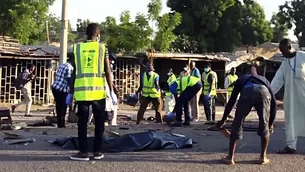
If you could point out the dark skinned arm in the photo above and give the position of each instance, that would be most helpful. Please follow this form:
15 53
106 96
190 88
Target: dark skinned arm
157 82
108 72
71 80
211 81
141 84
236 90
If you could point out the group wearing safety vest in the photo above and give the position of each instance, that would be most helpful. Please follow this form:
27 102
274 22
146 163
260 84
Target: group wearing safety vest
184 82
232 79
206 86
149 87
90 83
169 80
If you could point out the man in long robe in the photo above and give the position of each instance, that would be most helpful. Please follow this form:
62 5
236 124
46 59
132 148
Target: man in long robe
291 74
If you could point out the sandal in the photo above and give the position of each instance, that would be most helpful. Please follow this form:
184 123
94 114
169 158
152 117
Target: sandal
227 161
263 161
286 150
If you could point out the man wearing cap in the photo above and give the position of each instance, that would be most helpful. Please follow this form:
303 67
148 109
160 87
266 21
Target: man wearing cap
150 89
169 98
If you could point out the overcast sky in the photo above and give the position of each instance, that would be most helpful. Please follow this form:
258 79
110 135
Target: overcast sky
98 10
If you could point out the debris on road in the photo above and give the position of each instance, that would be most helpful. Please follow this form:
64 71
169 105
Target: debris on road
12 136
22 141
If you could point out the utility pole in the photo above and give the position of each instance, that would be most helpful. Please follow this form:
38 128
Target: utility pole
48 35
64 33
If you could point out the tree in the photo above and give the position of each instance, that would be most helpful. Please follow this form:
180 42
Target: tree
255 29
201 21
185 44
22 19
292 14
228 36
165 35
279 31
81 26
127 36
166 24
54 24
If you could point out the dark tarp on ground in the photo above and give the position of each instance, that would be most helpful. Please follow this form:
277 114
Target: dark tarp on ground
151 140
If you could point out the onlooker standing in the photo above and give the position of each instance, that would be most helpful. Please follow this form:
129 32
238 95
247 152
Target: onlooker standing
26 88
87 85
149 86
60 89
195 100
209 92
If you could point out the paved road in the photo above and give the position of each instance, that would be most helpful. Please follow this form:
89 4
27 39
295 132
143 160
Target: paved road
210 146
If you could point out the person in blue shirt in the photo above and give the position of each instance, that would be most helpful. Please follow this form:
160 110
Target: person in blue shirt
255 91
195 100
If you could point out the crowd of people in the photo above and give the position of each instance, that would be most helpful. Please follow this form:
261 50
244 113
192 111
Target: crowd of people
87 78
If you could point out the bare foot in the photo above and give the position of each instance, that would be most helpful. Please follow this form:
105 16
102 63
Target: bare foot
227 161
263 161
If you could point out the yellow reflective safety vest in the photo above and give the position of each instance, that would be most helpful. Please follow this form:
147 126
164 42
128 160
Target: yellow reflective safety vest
206 86
149 87
232 79
90 83
184 82
169 80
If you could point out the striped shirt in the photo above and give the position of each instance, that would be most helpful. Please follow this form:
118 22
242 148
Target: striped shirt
63 72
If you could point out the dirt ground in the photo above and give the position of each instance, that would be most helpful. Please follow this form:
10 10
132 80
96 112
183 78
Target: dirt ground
209 147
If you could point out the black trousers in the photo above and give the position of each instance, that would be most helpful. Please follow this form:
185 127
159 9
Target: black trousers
99 114
61 107
257 96
209 108
184 101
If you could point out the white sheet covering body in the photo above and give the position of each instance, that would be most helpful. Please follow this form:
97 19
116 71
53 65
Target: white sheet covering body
291 74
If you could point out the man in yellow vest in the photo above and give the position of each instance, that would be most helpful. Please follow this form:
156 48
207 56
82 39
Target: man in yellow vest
169 98
150 89
209 92
87 85
230 81
184 89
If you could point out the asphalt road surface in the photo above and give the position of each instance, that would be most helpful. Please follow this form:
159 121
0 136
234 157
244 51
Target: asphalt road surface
209 147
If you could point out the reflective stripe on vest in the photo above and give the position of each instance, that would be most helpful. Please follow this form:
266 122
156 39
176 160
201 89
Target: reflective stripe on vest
149 88
185 82
169 80
206 86
232 78
89 71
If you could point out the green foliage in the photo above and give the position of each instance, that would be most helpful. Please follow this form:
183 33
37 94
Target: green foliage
279 31
255 29
292 13
222 25
201 21
127 36
23 19
54 24
154 9
184 44
166 25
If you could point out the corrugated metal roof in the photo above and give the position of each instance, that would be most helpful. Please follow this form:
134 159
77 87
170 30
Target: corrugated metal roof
183 56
